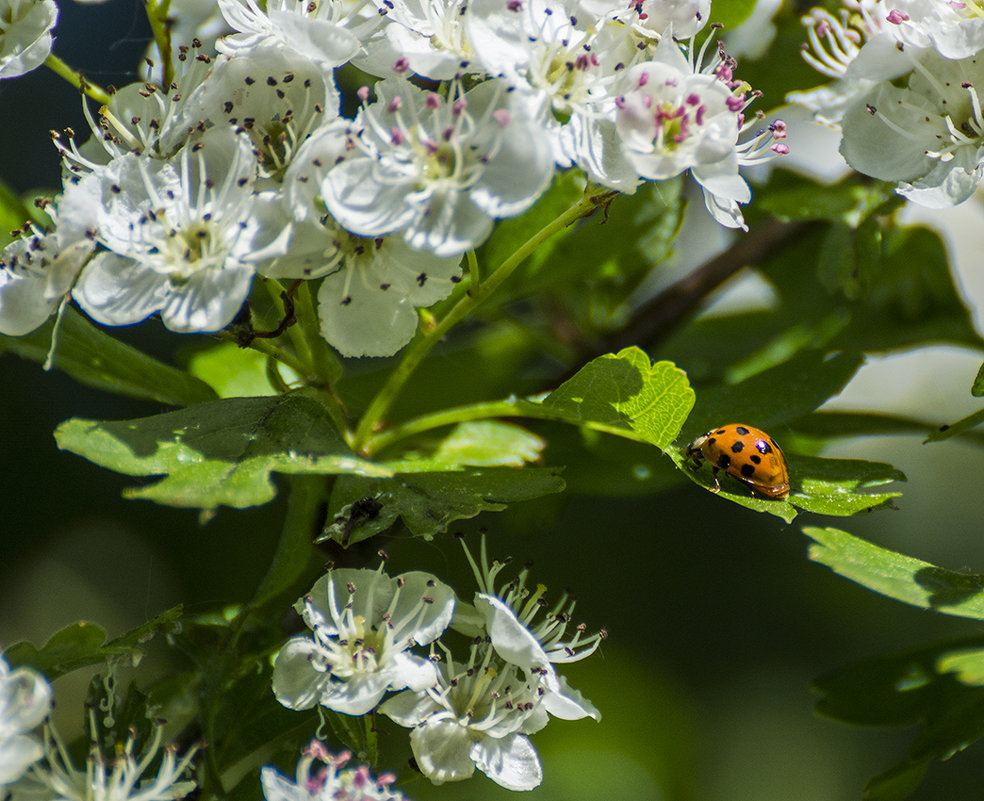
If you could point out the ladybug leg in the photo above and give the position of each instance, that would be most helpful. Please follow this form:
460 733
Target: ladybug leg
717 484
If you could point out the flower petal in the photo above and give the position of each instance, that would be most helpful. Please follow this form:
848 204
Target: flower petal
443 750
511 762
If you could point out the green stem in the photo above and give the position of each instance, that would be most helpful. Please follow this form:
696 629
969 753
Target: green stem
326 365
60 68
267 348
513 407
420 347
295 333
157 13
473 272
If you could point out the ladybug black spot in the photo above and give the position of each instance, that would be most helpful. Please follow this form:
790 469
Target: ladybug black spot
748 470
763 447
723 460
741 430
756 458
737 447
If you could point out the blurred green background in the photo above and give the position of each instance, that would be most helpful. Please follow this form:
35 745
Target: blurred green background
717 622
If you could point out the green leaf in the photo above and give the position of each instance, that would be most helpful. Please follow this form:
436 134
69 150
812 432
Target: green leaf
906 689
84 643
429 502
234 372
625 393
96 359
977 388
487 443
824 486
74 646
899 782
220 453
967 665
831 486
903 578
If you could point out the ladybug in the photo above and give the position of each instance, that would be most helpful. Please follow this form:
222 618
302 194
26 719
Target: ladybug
748 454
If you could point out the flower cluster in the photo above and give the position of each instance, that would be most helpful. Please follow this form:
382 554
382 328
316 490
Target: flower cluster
243 165
36 770
330 781
122 777
907 92
463 715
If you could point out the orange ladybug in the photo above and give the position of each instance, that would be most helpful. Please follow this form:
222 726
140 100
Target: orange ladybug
748 454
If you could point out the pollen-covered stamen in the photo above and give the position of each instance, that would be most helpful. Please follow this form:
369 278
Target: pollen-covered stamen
764 146
122 776
833 43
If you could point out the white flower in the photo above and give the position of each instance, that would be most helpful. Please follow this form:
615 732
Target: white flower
37 271
562 68
954 29
650 19
508 616
183 236
120 778
854 50
520 646
331 781
674 116
363 622
927 137
25 700
368 301
275 96
25 35
328 33
140 118
438 171
429 38
477 716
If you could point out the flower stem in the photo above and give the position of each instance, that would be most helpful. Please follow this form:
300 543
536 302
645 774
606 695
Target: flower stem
326 365
157 16
512 407
420 347
74 77
267 348
297 337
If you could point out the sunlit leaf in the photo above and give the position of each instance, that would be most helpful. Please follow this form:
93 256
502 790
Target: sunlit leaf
234 372
626 392
903 578
487 443
220 453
